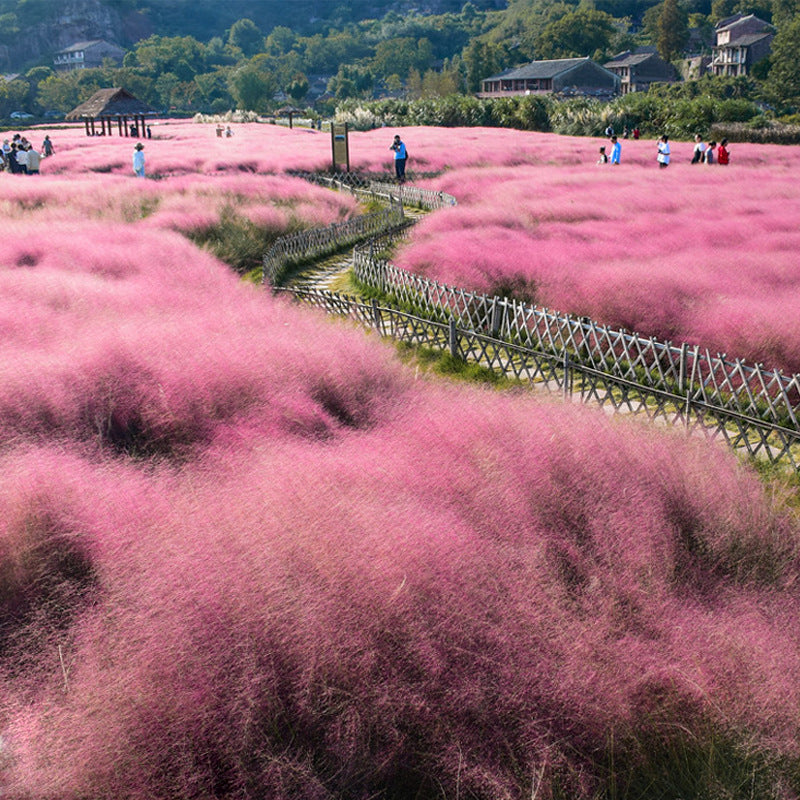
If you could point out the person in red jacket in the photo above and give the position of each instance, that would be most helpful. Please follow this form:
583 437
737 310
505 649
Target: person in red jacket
723 156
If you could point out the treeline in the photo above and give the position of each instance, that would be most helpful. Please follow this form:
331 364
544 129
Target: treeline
432 61
726 105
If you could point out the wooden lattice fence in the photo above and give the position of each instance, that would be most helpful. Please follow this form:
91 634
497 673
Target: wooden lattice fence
733 386
753 409
317 242
693 408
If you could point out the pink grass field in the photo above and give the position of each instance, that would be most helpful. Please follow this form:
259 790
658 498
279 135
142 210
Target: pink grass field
245 553
704 254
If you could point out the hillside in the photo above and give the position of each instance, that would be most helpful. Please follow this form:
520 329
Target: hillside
31 28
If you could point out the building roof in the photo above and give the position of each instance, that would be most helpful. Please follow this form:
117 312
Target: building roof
86 45
542 69
110 103
628 59
738 19
746 39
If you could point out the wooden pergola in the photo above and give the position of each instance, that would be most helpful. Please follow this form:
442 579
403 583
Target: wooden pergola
109 108
289 111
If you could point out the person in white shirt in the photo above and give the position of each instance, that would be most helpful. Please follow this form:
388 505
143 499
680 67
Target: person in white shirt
22 160
663 151
699 153
138 160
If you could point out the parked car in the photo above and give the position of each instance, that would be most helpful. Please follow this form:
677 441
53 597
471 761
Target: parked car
53 115
21 115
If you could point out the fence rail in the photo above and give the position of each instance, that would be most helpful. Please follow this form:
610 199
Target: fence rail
733 386
754 409
561 374
316 242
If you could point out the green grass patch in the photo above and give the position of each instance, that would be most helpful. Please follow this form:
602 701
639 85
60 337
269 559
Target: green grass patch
443 363
237 241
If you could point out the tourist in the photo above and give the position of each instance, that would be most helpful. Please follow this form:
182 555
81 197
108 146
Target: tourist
400 158
138 160
13 164
22 159
603 157
663 152
709 157
33 161
616 151
636 133
228 132
47 146
699 152
723 156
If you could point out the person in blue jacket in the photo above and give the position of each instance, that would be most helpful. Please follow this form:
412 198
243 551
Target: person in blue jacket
400 156
616 150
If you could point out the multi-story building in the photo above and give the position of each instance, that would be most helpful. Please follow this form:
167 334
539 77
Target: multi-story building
742 41
638 70
83 55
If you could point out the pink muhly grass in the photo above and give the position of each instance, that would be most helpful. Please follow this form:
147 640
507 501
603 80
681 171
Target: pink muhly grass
335 581
470 592
601 243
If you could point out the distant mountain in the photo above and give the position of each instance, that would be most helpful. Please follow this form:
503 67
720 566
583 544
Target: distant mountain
34 29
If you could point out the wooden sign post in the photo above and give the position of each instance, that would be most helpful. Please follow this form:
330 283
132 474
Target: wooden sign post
340 147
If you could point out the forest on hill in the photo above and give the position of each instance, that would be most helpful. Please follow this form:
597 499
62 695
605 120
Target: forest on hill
208 57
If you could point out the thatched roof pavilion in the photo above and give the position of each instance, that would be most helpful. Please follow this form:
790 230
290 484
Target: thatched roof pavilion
289 111
107 106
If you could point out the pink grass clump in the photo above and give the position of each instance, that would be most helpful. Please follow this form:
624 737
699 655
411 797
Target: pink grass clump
470 595
129 350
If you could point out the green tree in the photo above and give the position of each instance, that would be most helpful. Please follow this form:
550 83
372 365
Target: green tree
181 55
12 95
251 86
246 35
166 85
280 40
578 33
672 30
298 87
784 10
212 88
783 82
482 60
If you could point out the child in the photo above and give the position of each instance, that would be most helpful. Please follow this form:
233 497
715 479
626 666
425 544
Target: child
603 157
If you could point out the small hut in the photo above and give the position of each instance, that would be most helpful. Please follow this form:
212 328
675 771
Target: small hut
108 107
289 111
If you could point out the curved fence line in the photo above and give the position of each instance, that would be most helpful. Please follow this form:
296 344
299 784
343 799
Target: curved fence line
296 248
561 374
315 242
734 386
753 408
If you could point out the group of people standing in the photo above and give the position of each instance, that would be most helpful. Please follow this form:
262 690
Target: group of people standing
710 152
20 157
705 153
